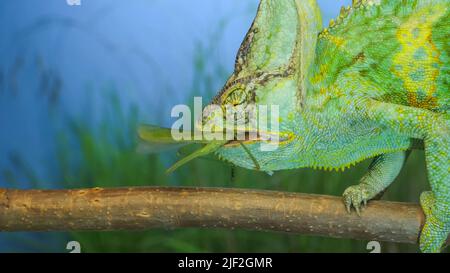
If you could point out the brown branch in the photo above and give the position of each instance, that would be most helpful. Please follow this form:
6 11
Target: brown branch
153 207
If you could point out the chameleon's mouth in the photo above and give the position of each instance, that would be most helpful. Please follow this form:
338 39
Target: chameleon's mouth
157 138
250 137
242 139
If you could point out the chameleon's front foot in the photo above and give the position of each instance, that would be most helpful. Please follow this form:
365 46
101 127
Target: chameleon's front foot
382 171
436 229
356 196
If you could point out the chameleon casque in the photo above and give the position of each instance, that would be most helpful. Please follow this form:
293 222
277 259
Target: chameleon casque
374 84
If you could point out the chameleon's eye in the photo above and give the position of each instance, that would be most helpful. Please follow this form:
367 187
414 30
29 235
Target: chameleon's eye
236 96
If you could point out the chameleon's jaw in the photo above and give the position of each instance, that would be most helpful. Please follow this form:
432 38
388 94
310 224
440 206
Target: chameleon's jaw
252 137
253 151
214 145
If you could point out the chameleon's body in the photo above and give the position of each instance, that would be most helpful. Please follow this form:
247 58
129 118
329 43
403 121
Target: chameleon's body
368 86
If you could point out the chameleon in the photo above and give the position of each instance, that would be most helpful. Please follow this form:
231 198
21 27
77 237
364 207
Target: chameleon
373 84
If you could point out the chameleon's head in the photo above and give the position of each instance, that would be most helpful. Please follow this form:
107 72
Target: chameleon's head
265 91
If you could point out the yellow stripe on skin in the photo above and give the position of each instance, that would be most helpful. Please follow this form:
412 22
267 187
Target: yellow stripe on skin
418 60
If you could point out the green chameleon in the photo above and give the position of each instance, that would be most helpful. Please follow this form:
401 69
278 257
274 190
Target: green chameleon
374 84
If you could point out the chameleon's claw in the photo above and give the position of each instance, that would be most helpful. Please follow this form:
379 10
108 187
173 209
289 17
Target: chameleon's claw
435 231
358 210
356 197
348 206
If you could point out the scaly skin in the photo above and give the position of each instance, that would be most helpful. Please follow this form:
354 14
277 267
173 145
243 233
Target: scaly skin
368 86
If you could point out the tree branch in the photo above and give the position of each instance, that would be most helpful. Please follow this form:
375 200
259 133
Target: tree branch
155 207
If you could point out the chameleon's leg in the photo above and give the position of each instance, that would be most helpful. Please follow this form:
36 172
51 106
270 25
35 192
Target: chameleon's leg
382 172
434 129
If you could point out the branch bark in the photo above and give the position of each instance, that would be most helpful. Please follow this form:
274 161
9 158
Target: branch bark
156 207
